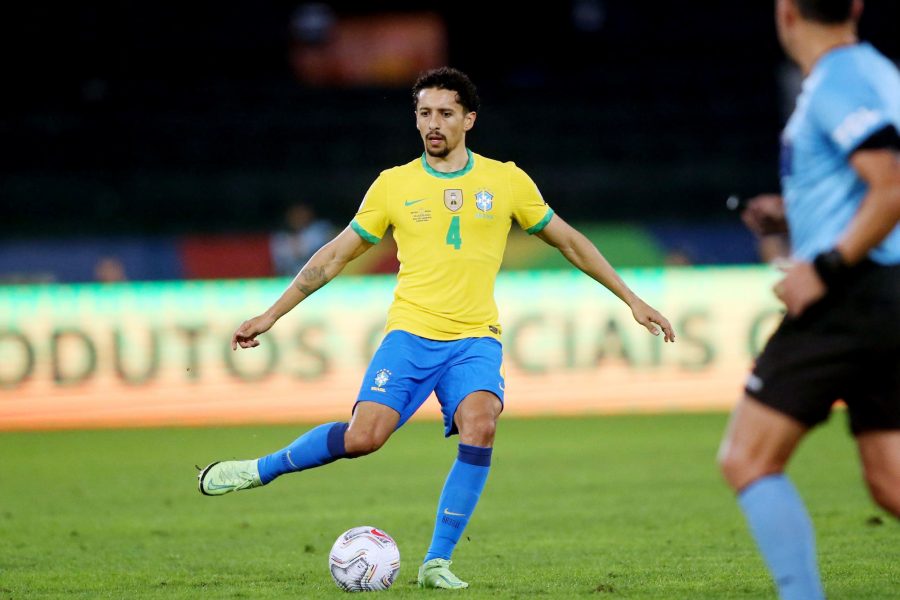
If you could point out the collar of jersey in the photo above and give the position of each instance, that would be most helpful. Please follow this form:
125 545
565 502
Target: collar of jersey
832 52
469 164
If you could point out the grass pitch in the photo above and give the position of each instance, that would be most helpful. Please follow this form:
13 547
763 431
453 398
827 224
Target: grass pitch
605 507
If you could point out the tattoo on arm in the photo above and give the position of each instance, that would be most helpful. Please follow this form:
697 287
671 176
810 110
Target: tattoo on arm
310 279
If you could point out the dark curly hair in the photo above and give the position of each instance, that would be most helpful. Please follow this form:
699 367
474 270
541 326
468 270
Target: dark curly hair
454 80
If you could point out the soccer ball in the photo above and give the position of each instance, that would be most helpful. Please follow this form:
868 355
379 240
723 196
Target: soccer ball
364 559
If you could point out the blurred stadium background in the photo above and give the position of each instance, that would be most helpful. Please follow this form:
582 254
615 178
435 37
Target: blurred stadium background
164 166
132 131
146 148
226 141
160 165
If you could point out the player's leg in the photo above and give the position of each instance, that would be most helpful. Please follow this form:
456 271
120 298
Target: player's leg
756 448
370 427
476 419
880 455
394 386
319 446
390 392
368 430
874 410
758 442
470 393
806 364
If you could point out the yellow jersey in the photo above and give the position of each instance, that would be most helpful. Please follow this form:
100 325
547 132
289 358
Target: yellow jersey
451 231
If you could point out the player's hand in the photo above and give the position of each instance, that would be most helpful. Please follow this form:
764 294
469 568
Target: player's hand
800 288
245 336
764 215
652 319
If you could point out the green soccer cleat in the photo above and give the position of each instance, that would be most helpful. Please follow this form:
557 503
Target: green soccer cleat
227 476
436 574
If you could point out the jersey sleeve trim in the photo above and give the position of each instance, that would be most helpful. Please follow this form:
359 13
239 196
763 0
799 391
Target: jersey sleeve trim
539 226
886 138
363 233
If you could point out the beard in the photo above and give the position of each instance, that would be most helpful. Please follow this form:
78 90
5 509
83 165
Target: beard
441 153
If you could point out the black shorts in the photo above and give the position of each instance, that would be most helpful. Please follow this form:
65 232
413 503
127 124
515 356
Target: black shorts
844 347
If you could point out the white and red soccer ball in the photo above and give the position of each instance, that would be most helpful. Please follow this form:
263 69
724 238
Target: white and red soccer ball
364 559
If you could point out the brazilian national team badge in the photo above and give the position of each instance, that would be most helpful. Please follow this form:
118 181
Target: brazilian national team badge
453 199
484 200
381 378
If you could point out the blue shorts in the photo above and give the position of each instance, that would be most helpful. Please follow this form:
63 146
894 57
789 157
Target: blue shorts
407 368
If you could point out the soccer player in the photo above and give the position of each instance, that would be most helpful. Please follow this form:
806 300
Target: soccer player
840 338
451 211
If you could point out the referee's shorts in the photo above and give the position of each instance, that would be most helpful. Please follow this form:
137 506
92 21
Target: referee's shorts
844 347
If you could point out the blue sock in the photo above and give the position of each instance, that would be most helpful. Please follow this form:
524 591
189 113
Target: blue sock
784 534
458 499
318 446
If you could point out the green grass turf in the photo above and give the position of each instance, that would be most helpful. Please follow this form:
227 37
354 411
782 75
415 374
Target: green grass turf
608 507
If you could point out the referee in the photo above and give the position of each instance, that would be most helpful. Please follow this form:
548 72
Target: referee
840 339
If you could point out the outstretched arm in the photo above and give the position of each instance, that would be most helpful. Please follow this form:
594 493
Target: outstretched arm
579 251
321 268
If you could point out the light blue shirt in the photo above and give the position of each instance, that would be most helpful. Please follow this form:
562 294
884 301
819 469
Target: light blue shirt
852 92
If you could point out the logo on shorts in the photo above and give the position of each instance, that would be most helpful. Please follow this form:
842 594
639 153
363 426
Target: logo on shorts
381 378
754 383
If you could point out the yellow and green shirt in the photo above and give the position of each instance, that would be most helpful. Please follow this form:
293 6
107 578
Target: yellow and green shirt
451 231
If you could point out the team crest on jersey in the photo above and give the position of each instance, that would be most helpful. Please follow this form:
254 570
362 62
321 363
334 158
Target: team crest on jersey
484 200
453 199
381 378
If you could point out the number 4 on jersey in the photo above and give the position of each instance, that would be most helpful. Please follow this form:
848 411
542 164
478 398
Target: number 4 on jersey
453 236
